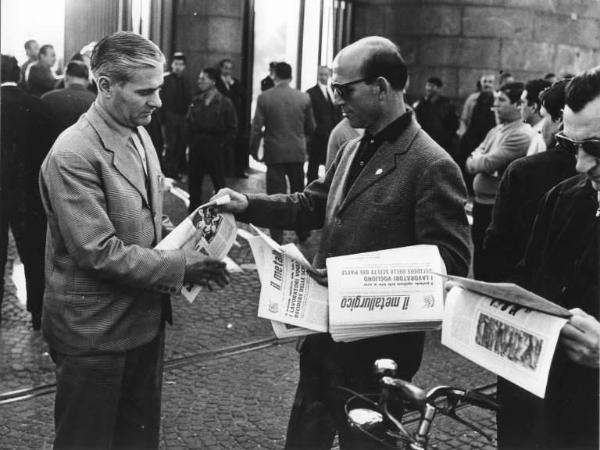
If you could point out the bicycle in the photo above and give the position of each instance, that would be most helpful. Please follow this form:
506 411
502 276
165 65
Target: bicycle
380 419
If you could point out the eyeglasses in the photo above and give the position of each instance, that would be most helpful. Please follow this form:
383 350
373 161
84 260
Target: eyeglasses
341 89
590 146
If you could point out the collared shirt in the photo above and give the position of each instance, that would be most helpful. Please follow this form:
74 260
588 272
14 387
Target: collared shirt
8 83
129 136
369 145
325 90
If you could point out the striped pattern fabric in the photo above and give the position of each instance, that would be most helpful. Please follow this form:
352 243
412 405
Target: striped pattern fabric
105 285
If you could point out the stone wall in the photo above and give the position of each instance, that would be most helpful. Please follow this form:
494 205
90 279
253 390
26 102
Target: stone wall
208 31
460 40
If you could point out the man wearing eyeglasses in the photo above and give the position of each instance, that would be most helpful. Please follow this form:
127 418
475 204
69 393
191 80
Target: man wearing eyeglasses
561 265
393 187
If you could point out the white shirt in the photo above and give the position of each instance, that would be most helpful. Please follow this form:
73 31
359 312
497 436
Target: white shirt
538 145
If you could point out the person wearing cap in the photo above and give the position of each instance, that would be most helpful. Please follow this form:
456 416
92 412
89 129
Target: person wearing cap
68 104
176 97
561 265
436 114
503 144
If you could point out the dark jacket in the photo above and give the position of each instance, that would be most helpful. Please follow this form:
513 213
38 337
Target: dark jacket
561 265
211 126
67 105
175 94
40 79
326 115
26 138
438 118
523 184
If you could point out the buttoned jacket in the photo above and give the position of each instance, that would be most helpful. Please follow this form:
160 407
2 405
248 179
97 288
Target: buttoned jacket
105 285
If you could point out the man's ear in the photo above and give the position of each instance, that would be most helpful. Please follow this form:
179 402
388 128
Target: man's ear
104 86
383 87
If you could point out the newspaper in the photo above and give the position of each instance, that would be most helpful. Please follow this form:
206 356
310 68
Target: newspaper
385 292
510 340
288 294
208 233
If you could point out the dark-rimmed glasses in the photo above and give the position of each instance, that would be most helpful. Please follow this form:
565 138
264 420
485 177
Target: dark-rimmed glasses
590 146
341 89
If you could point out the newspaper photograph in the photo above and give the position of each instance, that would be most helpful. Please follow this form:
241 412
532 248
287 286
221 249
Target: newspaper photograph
206 232
510 340
288 294
383 292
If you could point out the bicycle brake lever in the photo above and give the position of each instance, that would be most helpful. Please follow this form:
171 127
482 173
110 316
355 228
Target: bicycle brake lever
473 427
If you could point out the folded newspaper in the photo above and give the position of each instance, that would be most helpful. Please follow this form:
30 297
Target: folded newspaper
208 233
369 294
385 292
294 302
505 329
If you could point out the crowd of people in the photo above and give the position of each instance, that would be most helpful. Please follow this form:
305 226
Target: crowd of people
529 154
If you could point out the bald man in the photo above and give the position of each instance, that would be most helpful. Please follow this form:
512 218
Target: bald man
392 188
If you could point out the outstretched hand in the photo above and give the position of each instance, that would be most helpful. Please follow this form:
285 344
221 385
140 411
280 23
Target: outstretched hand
203 271
580 338
238 203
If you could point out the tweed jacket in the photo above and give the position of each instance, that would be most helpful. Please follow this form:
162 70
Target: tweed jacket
288 121
410 192
105 285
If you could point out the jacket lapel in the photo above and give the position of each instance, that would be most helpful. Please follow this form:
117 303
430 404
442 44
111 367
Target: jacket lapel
155 177
116 143
380 165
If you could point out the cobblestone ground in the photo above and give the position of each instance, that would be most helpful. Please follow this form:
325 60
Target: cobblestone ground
241 401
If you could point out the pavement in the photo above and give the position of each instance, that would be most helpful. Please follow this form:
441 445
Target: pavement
228 383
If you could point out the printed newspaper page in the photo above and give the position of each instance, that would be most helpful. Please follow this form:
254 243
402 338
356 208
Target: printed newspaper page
510 340
383 292
206 232
288 294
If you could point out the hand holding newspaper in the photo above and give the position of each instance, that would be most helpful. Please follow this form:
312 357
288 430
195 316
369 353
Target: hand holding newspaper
505 329
294 302
385 292
206 232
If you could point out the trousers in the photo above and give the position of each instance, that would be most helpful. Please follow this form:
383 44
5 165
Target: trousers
109 400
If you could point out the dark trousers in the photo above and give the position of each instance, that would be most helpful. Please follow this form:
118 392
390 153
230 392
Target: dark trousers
29 231
317 151
206 157
318 409
276 184
482 216
109 400
174 160
242 146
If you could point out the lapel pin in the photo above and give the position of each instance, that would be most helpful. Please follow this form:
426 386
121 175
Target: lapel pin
378 171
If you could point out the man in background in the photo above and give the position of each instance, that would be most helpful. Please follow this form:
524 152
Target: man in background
286 115
267 82
32 49
326 115
436 114
236 158
68 104
503 144
531 113
175 96
26 138
212 126
39 76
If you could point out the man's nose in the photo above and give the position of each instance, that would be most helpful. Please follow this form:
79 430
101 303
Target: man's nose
155 100
585 162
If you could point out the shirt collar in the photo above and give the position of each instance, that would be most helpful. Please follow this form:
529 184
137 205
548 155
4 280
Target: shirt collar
9 83
393 130
119 132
